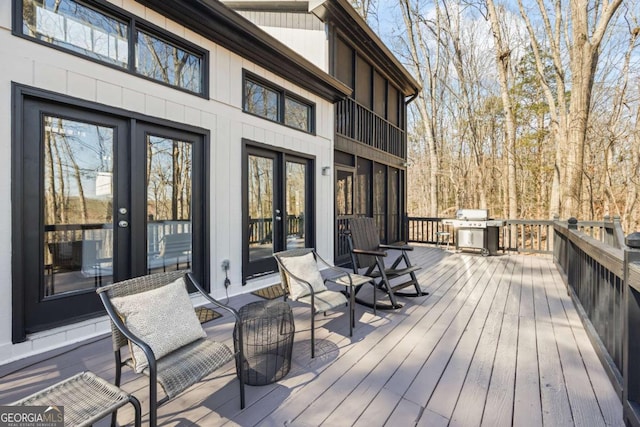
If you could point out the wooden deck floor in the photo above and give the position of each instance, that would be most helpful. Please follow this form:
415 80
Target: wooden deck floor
496 343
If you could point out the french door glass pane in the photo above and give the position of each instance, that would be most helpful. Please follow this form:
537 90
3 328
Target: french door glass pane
78 205
169 193
295 204
260 197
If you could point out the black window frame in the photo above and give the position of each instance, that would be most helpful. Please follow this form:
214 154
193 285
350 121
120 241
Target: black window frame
135 24
283 94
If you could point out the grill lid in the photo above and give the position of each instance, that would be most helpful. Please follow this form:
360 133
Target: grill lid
472 214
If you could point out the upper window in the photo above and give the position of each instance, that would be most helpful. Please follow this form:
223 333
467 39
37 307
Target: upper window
109 38
261 100
296 114
273 103
166 62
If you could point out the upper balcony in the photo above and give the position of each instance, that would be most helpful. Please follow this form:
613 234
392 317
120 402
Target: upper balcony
357 122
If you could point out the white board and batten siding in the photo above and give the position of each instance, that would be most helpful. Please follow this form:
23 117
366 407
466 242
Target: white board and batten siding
28 63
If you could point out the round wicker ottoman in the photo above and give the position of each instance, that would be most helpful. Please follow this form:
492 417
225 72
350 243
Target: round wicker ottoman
267 331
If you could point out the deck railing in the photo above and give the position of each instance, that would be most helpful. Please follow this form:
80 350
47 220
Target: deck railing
357 122
516 235
603 279
261 229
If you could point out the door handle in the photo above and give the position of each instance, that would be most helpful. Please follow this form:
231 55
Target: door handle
123 224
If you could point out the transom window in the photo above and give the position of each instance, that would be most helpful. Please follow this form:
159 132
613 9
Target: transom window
108 36
276 104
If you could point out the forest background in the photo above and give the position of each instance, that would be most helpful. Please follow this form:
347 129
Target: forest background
528 108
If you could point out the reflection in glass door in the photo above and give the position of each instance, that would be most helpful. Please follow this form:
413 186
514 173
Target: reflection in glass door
169 193
78 205
295 189
261 207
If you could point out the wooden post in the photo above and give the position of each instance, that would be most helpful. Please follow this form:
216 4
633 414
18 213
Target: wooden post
618 233
631 343
607 230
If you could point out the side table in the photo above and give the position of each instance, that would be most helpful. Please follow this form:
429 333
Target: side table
267 331
353 287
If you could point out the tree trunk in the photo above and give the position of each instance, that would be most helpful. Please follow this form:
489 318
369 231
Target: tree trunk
583 62
503 54
426 102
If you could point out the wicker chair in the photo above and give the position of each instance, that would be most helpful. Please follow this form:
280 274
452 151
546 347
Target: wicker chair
179 369
368 253
324 299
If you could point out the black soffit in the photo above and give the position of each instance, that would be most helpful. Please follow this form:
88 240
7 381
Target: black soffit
218 23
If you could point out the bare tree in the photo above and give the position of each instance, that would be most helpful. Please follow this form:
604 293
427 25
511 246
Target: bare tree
425 63
503 57
581 31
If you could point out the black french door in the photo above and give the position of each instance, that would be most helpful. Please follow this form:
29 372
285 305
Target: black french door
277 207
102 198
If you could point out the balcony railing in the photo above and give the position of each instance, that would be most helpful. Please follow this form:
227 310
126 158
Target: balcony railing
357 122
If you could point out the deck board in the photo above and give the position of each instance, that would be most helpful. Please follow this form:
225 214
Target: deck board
527 406
472 398
498 410
556 409
445 396
497 342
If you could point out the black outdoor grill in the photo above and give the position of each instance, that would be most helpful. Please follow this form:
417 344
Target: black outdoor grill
475 230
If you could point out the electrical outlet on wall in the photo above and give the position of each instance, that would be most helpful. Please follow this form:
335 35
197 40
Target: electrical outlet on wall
226 265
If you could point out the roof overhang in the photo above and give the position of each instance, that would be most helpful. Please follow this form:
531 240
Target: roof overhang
220 24
355 29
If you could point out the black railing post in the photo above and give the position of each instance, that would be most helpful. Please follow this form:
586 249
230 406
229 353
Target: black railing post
573 259
631 344
405 234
